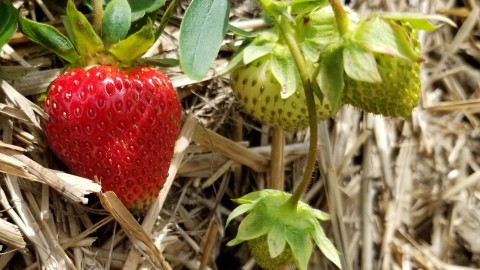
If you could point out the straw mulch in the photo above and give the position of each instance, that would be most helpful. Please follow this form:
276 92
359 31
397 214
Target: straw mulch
403 193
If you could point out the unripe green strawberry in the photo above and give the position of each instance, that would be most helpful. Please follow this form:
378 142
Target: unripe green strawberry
259 249
258 91
399 90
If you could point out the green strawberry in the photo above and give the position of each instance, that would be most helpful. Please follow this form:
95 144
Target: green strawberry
280 233
110 119
258 92
267 85
377 59
399 90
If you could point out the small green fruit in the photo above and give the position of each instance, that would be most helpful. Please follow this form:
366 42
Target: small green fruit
258 92
259 249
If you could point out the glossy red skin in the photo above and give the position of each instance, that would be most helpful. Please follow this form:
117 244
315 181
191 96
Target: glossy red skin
114 126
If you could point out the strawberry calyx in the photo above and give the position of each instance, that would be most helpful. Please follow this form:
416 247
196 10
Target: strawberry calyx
116 44
287 227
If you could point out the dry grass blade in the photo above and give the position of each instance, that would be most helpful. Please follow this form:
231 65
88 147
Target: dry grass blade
11 236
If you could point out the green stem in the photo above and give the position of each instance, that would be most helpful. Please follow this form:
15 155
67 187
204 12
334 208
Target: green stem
307 86
341 16
97 15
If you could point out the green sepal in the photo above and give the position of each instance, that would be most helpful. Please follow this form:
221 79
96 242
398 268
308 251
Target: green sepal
160 62
417 21
325 245
135 45
252 226
284 69
330 76
240 210
320 215
116 21
253 52
9 16
316 30
255 196
301 244
240 32
276 239
385 36
50 38
305 6
81 33
360 64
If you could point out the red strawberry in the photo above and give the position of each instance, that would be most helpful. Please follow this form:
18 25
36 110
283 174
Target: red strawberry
109 119
117 127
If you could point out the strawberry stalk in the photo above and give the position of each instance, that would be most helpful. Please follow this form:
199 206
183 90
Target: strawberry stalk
340 16
97 15
287 34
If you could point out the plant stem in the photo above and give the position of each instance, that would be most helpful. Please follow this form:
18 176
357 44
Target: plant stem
340 16
287 34
97 15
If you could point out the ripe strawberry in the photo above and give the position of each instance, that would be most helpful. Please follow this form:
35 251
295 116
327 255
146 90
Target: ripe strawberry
110 119
118 127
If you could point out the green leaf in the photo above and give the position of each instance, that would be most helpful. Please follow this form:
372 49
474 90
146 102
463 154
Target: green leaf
251 227
81 32
201 34
142 7
9 15
285 71
116 21
325 245
330 76
301 245
165 18
305 6
135 45
233 63
417 21
360 64
276 239
378 35
238 211
50 38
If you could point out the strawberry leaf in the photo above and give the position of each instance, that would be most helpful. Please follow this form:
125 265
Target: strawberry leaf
379 35
142 7
201 34
276 239
360 64
135 45
9 15
325 245
301 245
115 21
285 71
330 76
165 18
81 32
49 37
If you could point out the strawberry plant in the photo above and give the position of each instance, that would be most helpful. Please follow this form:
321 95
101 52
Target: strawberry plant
110 118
